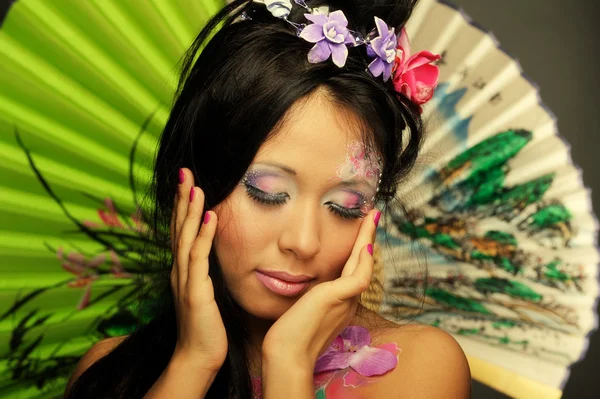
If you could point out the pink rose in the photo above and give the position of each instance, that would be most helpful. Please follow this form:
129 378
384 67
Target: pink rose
414 76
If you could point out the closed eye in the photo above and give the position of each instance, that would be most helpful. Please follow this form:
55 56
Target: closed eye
265 198
346 213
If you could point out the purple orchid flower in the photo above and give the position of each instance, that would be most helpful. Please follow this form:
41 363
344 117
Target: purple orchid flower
351 349
383 47
330 33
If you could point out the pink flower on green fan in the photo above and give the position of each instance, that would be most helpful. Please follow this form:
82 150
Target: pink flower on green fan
414 76
330 35
84 269
110 218
77 264
117 269
352 349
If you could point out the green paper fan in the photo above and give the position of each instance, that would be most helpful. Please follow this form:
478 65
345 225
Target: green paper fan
86 87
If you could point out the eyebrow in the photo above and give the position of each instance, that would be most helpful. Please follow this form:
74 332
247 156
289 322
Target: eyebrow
279 166
343 183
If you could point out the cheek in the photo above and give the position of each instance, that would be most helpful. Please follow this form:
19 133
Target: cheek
338 249
228 242
237 240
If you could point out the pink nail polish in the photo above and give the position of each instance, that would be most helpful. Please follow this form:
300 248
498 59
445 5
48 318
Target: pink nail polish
206 217
192 192
181 176
377 216
370 249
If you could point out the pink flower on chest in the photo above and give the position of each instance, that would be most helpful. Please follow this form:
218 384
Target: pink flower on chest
352 349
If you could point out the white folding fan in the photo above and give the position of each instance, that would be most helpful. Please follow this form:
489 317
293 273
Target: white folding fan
501 214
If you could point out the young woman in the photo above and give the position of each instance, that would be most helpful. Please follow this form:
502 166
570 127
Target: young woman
287 130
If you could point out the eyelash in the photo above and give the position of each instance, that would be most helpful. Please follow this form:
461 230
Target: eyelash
265 198
271 199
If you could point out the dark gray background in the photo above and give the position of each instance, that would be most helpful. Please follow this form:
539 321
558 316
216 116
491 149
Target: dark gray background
556 42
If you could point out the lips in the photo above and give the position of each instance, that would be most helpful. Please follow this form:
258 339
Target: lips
290 278
282 285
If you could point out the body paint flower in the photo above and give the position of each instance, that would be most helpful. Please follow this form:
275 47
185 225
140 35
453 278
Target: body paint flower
351 349
383 48
360 163
330 35
413 75
334 383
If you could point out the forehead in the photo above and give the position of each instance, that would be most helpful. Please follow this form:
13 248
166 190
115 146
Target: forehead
315 137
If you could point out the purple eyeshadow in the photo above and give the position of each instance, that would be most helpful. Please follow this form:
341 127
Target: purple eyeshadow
264 181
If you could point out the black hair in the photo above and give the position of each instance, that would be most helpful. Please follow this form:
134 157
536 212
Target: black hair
239 78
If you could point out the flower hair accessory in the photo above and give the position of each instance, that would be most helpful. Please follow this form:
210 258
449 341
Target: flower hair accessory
383 49
330 33
414 76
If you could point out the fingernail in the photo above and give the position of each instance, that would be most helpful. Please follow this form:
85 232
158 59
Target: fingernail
192 194
181 176
370 248
206 217
377 216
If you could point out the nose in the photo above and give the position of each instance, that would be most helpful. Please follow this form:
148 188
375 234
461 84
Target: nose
301 232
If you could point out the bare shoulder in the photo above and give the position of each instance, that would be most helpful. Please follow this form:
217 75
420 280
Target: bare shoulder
431 364
97 351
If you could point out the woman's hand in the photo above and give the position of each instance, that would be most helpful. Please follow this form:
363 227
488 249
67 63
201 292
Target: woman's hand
201 336
303 332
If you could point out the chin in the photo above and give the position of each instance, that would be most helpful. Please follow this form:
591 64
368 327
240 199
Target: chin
259 302
270 308
267 315
266 305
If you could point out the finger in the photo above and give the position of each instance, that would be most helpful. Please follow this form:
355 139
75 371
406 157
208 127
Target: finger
174 231
198 268
189 233
364 270
172 225
180 204
183 192
365 236
356 283
173 238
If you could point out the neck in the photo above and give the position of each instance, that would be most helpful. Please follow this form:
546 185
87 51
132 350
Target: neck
257 328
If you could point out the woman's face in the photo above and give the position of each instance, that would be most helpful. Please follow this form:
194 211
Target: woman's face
297 210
